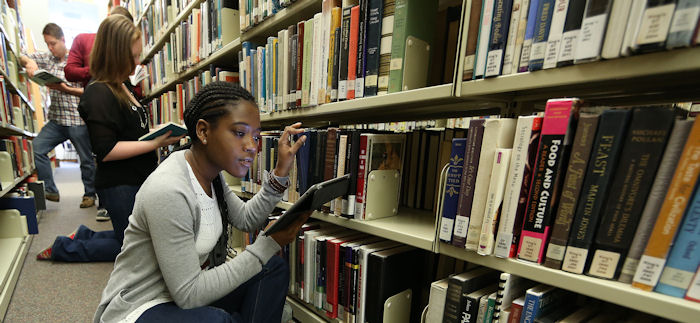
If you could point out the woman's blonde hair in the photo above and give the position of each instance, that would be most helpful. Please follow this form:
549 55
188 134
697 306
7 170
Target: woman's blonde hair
111 60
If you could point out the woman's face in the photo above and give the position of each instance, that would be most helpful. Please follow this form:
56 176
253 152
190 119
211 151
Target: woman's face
136 49
233 142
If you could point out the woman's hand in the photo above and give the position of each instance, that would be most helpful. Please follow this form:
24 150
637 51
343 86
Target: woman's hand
286 236
166 140
286 150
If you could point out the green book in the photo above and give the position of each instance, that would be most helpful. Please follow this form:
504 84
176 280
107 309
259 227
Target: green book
411 18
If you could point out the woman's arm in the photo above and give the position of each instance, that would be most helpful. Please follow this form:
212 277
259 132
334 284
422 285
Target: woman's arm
128 149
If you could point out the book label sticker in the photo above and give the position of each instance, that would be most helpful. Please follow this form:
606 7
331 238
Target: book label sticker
396 64
493 62
342 89
574 260
371 80
502 248
538 50
604 264
525 55
550 58
649 270
530 248
446 229
461 226
676 277
694 289
655 24
359 87
383 81
684 19
387 25
469 63
385 46
556 252
592 31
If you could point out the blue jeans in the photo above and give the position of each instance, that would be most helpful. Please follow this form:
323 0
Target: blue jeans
89 246
49 137
260 299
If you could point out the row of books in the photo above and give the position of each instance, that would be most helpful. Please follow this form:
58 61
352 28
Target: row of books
590 194
207 29
485 295
170 106
350 50
157 18
512 36
16 158
256 11
14 111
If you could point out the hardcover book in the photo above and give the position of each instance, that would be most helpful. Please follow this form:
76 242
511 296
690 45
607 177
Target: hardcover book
466 197
452 189
539 39
494 200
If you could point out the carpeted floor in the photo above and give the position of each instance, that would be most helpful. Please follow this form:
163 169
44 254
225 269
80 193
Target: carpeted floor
60 292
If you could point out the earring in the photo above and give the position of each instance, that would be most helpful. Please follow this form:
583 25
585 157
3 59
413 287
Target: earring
204 141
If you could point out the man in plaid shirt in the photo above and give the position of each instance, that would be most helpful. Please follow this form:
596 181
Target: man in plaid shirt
64 120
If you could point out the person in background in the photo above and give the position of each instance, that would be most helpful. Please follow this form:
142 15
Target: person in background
115 120
78 70
64 120
173 265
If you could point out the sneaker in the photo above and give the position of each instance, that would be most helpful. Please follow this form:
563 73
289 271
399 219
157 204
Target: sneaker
88 201
51 196
44 254
102 215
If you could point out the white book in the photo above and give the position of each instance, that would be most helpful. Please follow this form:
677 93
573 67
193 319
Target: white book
482 48
520 37
556 31
509 288
436 300
498 133
326 21
317 49
655 24
590 41
284 68
511 196
364 252
310 244
494 200
616 29
512 36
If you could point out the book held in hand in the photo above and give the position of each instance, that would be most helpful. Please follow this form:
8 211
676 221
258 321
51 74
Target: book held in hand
177 130
42 77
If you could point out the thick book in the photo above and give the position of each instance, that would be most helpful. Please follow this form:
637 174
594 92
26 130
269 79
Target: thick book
494 201
524 61
344 58
466 197
498 133
316 75
465 283
552 154
361 50
176 130
412 18
385 46
452 189
352 51
301 52
373 28
556 31
472 303
615 33
541 300
539 40
308 65
631 28
654 25
482 47
683 260
594 191
664 174
511 38
640 157
436 301
363 271
331 69
593 26
43 77
516 310
499 37
572 27
677 198
472 38
580 152
685 20
527 139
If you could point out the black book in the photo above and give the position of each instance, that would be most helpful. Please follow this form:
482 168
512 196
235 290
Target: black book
572 27
336 62
465 283
361 54
352 161
292 67
640 157
372 41
604 156
470 312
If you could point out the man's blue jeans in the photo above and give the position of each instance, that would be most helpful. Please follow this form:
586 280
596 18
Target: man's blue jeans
49 137
260 299
88 246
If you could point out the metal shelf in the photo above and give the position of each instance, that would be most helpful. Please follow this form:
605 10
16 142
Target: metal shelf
412 227
158 44
10 129
13 87
304 313
611 291
6 189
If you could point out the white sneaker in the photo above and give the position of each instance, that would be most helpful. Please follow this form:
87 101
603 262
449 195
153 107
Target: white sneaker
102 215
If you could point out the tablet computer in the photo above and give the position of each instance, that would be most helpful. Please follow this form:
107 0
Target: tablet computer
312 199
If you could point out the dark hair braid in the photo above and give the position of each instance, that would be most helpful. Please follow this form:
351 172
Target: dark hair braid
209 102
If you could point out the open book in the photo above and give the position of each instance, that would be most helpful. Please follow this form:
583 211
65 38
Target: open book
139 75
177 130
42 77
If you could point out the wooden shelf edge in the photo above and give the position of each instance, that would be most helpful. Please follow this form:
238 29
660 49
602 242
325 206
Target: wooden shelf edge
611 291
158 44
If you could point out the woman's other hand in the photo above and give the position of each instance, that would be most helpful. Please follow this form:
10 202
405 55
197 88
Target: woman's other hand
286 150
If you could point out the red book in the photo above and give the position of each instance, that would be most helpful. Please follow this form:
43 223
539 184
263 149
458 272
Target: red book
333 271
300 59
18 155
516 310
352 51
362 166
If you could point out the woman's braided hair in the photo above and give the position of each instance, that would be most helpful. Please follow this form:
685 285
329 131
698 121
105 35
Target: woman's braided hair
210 103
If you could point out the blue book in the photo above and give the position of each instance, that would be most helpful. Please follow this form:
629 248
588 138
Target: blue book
683 24
26 206
303 155
176 131
529 35
452 187
684 258
373 37
540 300
540 36
499 37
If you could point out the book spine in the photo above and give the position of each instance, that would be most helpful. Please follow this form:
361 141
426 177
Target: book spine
482 48
352 51
614 34
398 44
592 31
683 25
499 37
515 184
452 301
683 260
361 50
316 59
654 25
293 59
580 152
307 77
604 156
471 165
452 189
632 27
361 178
539 39
516 311
639 160
559 117
520 36
494 200
373 39
664 174
336 65
512 36
556 30
385 46
693 292
344 54
677 198
472 39
300 61
532 18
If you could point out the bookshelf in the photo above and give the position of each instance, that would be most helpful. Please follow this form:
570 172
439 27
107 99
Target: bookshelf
143 12
12 254
660 77
164 35
303 313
